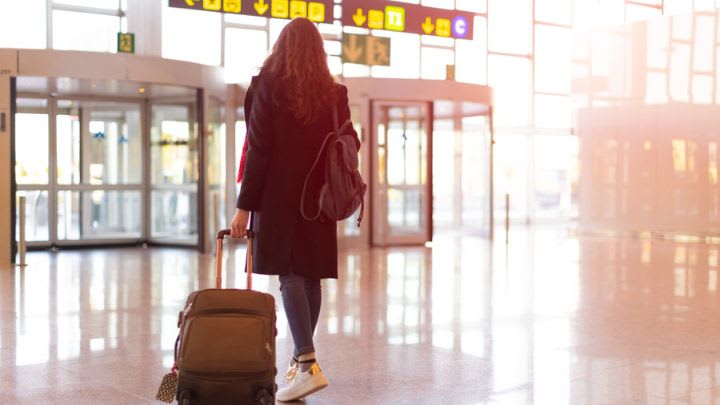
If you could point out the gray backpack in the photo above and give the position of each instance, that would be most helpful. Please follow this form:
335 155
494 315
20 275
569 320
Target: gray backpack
343 191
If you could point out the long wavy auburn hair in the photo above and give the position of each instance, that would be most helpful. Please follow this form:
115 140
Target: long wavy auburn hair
298 60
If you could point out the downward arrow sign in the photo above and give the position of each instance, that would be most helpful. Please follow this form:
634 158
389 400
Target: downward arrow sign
352 50
190 3
428 27
359 18
261 7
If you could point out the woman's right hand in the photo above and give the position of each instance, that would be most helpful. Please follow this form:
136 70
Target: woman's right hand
238 227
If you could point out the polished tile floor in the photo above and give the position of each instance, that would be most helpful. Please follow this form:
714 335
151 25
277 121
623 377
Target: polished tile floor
552 319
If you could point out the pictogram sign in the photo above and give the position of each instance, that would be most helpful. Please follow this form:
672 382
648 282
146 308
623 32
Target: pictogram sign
365 50
318 11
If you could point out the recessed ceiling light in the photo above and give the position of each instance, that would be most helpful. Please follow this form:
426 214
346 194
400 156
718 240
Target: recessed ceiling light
141 90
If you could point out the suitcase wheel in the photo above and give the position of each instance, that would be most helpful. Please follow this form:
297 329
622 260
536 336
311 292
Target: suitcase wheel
185 397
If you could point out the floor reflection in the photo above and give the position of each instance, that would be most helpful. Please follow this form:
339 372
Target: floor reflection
551 319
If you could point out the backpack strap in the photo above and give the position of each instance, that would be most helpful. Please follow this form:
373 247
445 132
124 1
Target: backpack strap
335 119
307 179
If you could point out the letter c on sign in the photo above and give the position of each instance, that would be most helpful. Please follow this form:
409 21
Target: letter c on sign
460 26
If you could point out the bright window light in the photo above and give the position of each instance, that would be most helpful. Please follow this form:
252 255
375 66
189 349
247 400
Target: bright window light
510 80
105 4
245 52
553 47
509 26
203 46
23 27
84 31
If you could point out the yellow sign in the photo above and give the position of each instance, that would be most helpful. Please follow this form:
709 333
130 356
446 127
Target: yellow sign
298 8
377 51
212 5
316 12
394 18
126 42
359 18
232 6
365 50
443 28
428 27
261 7
280 9
376 19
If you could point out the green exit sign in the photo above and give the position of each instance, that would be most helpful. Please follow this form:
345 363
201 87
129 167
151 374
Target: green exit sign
125 42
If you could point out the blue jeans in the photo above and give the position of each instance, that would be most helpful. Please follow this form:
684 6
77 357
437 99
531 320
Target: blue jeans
301 299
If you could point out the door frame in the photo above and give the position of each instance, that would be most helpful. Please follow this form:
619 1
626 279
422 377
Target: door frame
378 206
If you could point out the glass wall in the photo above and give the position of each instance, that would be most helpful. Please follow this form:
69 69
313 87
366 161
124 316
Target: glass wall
32 168
99 170
521 49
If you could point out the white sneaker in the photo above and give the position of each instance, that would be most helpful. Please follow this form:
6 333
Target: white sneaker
304 384
292 371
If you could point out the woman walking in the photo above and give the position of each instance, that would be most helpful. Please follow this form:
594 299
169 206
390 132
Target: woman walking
289 109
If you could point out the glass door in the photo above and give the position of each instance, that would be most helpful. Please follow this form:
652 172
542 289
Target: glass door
402 210
174 174
98 171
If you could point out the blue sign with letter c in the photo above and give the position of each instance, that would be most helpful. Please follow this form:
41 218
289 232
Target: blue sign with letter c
460 26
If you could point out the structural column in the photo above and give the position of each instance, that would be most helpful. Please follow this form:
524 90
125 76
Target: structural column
8 69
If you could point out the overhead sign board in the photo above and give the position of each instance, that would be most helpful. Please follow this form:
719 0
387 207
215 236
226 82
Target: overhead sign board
411 18
318 11
365 50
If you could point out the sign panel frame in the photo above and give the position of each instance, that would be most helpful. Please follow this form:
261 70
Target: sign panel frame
317 11
409 18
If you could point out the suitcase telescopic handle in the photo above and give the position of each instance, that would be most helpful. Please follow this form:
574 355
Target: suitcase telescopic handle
249 258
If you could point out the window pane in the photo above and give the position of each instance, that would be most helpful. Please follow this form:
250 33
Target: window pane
511 157
99 214
444 151
552 59
245 52
36 215
552 112
477 6
678 7
202 46
174 214
404 56
85 32
435 61
68 148
106 4
509 26
700 5
31 148
680 73
510 80
640 13
23 26
471 56
447 4
704 42
554 11
556 174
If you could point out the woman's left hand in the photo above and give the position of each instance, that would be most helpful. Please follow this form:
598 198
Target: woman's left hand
239 224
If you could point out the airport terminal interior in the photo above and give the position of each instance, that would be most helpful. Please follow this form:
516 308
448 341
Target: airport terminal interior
542 221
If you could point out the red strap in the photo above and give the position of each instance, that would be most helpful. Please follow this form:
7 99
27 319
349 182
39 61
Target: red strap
243 159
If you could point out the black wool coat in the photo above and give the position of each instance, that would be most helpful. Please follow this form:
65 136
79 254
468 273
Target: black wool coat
280 153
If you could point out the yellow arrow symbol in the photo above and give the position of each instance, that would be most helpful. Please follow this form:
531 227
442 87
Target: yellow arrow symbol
352 50
261 7
190 3
359 18
428 26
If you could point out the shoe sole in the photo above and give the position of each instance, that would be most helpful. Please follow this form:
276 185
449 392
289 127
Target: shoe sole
307 393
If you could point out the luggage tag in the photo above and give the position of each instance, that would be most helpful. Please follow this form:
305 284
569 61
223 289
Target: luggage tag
168 387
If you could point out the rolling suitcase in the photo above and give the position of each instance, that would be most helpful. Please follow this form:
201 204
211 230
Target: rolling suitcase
225 352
